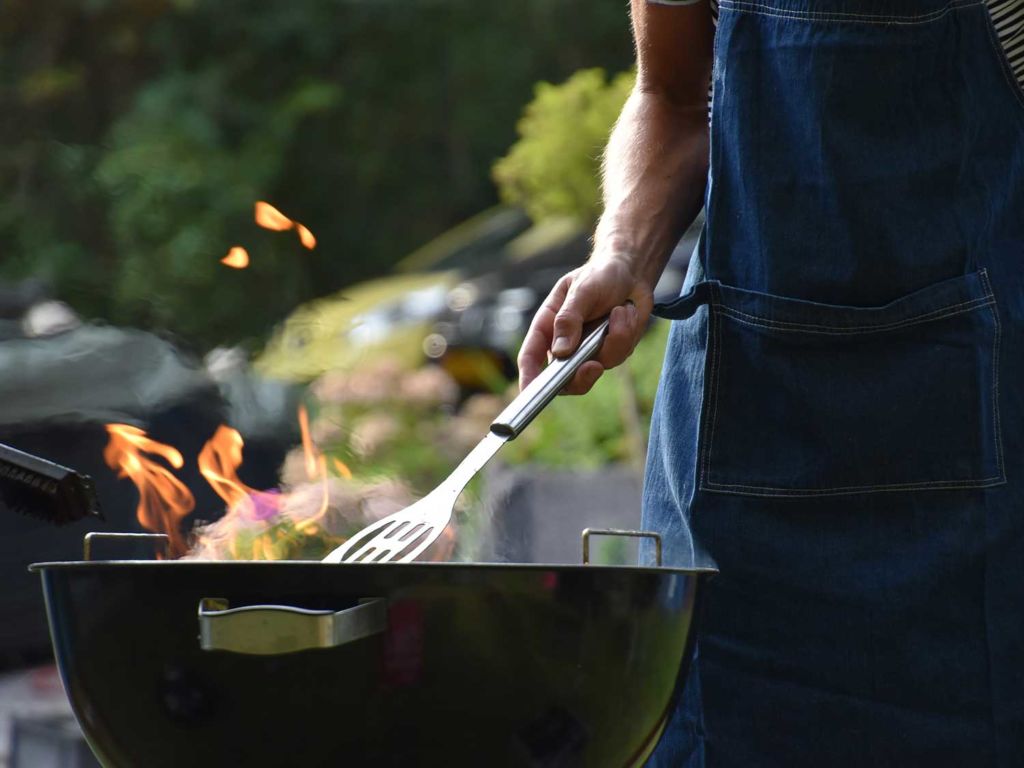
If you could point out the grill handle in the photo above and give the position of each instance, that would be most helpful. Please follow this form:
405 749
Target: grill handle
274 630
87 543
588 532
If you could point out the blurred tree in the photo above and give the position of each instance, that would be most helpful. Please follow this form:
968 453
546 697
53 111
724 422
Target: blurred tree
554 168
136 135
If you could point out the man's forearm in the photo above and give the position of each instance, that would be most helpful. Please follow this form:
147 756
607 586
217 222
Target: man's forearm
655 172
654 178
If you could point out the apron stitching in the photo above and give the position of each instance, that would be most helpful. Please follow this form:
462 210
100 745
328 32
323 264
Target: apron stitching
987 296
998 437
853 489
784 325
878 20
714 332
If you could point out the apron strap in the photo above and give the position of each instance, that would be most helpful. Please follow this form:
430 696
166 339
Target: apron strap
687 304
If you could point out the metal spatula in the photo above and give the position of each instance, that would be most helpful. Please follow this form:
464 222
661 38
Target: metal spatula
403 536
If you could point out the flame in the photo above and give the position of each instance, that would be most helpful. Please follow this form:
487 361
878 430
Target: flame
237 258
316 468
163 499
309 450
219 461
305 236
251 527
269 217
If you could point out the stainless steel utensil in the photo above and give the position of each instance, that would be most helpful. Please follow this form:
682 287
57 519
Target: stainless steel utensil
403 536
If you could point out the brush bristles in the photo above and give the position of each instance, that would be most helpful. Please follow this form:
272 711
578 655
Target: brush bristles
39 488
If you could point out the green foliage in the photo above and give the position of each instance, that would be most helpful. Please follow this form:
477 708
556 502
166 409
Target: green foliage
180 201
554 168
138 133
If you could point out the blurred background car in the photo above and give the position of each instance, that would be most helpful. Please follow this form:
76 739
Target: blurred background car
389 316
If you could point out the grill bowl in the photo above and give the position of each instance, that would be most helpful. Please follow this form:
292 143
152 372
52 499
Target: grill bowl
476 664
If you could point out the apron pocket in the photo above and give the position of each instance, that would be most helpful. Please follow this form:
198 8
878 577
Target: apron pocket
807 399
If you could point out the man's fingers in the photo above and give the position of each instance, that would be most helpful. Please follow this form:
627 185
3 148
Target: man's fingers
621 337
568 324
585 378
643 302
533 354
558 326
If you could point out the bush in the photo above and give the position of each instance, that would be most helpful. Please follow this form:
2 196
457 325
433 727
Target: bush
554 169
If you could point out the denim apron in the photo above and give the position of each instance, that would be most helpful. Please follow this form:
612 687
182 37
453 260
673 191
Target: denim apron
840 419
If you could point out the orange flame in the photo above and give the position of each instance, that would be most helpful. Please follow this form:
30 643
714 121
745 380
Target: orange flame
219 461
269 217
305 236
316 467
163 499
309 451
237 258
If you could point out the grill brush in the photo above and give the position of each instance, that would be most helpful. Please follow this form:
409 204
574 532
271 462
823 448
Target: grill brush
33 486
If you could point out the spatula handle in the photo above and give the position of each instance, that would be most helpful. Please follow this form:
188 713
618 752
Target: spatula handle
543 389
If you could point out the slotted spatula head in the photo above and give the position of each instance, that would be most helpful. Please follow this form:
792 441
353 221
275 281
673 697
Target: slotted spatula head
400 537
406 534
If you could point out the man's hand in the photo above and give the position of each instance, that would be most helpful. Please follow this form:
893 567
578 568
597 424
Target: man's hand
601 286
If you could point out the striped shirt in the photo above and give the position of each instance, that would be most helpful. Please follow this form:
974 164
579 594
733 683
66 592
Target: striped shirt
1007 18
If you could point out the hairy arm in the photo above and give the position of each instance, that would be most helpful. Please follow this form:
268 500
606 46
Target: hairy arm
655 170
655 165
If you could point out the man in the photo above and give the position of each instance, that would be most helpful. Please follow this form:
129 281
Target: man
839 423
